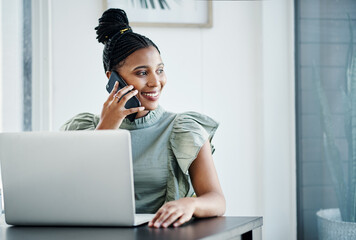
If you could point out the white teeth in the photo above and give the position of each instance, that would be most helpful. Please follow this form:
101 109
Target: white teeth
151 94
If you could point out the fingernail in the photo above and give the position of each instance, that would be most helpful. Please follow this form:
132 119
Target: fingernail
165 225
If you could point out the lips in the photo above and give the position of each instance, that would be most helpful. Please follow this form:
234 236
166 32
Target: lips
151 96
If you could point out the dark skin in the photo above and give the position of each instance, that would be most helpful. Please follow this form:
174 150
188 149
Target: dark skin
143 71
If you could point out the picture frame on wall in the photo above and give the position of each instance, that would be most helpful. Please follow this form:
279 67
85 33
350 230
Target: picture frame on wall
165 13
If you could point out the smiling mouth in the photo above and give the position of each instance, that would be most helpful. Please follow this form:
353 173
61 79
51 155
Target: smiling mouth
155 94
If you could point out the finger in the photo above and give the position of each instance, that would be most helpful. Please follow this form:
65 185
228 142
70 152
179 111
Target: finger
125 98
183 219
133 110
173 217
165 214
154 219
113 91
123 91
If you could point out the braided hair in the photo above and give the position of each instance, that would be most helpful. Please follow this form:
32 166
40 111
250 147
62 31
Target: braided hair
119 39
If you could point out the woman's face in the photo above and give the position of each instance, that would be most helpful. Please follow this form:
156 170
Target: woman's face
144 70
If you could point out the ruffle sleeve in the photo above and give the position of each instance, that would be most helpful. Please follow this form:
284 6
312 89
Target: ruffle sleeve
190 131
82 121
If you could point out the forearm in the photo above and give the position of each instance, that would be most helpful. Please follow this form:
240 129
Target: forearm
210 199
180 211
209 205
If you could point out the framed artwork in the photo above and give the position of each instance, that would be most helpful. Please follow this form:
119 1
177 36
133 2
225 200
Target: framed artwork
165 13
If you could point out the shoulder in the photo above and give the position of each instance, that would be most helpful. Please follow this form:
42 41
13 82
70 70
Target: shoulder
81 121
194 120
190 131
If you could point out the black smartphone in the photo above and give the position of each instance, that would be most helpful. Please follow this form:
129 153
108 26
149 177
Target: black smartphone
132 102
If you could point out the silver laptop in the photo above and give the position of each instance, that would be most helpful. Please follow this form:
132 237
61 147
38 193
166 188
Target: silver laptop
77 178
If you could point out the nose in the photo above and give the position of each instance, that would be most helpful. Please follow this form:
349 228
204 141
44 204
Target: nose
153 81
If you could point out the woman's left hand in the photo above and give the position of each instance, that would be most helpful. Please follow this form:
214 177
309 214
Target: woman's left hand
176 212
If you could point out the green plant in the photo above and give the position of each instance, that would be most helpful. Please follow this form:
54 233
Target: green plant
344 180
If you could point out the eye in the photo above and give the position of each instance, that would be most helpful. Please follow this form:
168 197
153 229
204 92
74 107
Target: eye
160 70
141 73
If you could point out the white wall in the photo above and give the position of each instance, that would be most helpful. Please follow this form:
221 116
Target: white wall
1 102
78 76
11 55
0 70
239 72
279 166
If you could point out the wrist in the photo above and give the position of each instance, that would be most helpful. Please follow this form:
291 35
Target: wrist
194 203
104 126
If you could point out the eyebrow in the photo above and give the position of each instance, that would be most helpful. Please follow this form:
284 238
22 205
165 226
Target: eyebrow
145 66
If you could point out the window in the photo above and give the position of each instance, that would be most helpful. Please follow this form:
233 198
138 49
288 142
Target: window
322 45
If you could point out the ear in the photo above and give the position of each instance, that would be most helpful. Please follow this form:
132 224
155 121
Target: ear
108 74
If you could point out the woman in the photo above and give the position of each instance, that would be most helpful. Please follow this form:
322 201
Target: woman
172 155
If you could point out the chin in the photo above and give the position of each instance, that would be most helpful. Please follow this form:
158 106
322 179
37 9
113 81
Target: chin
150 107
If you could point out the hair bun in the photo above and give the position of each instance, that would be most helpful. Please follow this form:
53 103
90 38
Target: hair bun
111 22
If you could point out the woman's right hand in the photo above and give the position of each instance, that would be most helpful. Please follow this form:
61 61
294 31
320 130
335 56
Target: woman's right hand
114 111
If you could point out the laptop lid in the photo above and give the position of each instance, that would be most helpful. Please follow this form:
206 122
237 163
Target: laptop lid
68 178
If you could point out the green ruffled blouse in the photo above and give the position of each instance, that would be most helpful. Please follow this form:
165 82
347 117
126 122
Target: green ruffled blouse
164 145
